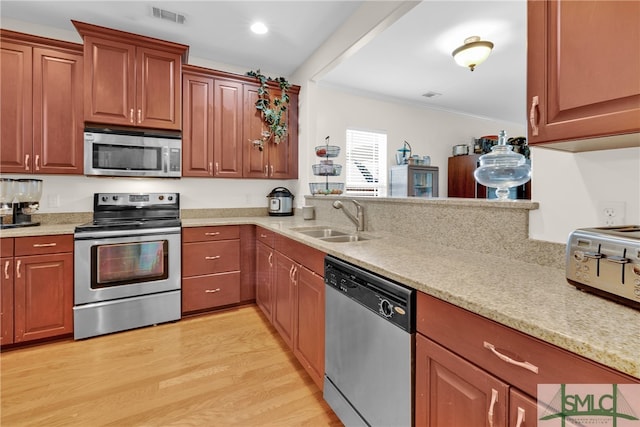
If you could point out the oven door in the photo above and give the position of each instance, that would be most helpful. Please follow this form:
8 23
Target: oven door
110 265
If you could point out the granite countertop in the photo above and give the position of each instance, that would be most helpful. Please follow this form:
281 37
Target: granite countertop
530 298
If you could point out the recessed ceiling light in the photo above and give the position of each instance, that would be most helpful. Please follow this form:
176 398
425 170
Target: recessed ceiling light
259 28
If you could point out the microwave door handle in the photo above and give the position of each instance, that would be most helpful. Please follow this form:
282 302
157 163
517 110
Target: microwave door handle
165 163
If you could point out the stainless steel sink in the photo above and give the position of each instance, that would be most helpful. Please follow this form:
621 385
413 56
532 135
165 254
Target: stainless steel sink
328 234
319 232
345 238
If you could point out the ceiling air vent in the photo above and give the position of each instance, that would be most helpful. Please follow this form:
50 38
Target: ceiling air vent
431 94
168 15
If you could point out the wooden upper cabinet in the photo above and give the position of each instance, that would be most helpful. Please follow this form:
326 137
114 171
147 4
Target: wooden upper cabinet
227 140
197 125
42 105
57 112
131 80
16 148
583 68
278 161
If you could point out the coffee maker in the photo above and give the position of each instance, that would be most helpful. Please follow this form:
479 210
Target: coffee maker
19 198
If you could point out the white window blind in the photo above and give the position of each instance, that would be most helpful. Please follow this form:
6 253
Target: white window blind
366 165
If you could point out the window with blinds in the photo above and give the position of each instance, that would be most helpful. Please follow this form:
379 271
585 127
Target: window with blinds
366 163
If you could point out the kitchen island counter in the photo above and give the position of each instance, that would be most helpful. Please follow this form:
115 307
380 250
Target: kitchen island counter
530 298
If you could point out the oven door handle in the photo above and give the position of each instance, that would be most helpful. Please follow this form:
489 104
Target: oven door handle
91 235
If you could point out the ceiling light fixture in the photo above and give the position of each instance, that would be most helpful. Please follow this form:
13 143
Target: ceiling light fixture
472 53
259 28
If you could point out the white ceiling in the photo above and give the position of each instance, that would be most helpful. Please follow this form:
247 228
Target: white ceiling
410 58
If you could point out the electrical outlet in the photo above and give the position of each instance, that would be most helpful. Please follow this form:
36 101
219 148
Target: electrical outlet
611 213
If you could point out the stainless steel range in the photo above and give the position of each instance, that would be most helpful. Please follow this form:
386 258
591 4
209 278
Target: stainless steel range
127 263
606 261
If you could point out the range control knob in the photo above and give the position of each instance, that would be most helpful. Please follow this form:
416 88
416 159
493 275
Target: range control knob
386 309
115 198
104 198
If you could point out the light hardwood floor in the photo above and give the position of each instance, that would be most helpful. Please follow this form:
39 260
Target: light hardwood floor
224 369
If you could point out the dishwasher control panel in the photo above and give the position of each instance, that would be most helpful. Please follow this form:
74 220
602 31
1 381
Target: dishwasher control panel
386 298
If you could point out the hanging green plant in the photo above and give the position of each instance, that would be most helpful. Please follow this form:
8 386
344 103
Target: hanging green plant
272 109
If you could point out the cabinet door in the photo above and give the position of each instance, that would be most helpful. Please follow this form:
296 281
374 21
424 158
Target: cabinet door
523 410
283 157
57 112
227 140
451 392
460 180
264 279
197 132
15 108
308 340
109 75
43 296
158 89
6 301
286 273
583 68
254 161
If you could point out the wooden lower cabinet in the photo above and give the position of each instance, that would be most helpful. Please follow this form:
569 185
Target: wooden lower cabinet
523 410
470 369
37 288
211 267
290 292
6 301
308 337
452 392
264 278
286 276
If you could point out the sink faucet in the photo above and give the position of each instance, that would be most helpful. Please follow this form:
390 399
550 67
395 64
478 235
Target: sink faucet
358 220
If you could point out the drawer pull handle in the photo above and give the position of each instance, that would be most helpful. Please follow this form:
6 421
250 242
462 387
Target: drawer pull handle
209 258
520 419
494 399
212 291
44 245
6 269
526 365
535 101
18 264
263 236
213 233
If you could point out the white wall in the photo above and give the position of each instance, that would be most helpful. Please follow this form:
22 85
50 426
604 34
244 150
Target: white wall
571 186
430 132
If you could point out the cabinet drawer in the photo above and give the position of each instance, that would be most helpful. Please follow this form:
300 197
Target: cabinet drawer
210 257
215 290
43 244
311 258
205 234
6 247
466 333
265 236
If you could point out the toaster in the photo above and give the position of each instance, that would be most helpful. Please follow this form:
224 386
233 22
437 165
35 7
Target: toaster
606 261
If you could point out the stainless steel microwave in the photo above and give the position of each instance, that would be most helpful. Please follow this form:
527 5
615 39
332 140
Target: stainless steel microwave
109 152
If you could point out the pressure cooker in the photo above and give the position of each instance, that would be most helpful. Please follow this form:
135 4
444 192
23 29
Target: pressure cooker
280 202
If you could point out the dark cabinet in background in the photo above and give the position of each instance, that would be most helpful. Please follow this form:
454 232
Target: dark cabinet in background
460 180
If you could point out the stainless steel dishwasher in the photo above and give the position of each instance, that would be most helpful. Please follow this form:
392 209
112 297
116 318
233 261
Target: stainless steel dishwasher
369 347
